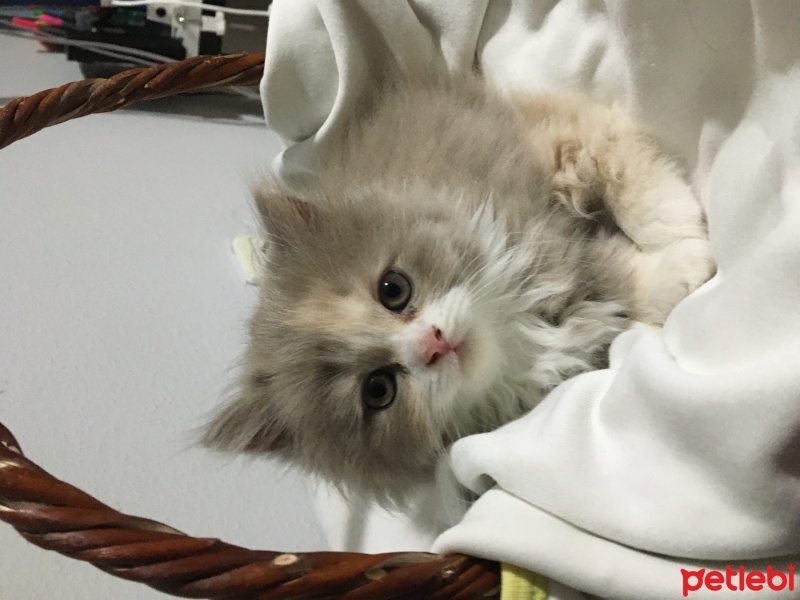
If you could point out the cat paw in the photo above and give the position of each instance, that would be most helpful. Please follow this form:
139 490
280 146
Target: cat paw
666 276
574 180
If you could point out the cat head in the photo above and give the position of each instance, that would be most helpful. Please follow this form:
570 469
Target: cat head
376 332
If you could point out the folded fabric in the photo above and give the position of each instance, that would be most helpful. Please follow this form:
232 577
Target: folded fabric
679 464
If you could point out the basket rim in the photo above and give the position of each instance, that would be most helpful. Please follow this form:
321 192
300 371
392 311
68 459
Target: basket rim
26 115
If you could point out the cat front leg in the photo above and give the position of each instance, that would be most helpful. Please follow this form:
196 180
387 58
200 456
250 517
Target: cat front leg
603 168
654 206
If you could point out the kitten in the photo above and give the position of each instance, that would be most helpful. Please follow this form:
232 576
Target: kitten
460 254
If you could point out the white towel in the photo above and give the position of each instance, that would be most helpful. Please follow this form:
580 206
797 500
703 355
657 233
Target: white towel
685 453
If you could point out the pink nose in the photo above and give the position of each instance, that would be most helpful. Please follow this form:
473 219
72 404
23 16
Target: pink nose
435 346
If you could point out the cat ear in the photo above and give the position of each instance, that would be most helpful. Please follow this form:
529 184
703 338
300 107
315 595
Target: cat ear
284 215
242 426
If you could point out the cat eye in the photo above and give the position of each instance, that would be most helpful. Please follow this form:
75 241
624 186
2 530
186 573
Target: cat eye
380 388
394 290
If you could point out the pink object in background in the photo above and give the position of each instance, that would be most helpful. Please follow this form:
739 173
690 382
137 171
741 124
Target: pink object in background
50 20
27 23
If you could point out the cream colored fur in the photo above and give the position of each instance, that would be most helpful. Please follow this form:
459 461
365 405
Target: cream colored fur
535 229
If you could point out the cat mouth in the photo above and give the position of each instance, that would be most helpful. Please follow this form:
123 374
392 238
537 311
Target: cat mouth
457 354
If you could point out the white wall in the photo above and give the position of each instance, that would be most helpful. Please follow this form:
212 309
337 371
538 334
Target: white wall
122 314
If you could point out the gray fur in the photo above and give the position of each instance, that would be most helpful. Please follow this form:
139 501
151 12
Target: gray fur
547 225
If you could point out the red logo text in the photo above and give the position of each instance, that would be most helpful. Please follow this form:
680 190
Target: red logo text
737 580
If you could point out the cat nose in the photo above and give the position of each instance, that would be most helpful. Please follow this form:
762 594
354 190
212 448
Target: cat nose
435 346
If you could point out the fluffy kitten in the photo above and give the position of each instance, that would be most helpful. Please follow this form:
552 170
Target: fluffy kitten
460 254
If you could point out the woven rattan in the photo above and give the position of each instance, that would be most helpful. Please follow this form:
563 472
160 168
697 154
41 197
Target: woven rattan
57 516
25 116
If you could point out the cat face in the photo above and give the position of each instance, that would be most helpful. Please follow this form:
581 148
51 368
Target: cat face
375 333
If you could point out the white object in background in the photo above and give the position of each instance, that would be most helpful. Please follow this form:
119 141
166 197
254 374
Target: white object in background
215 24
249 251
188 3
186 21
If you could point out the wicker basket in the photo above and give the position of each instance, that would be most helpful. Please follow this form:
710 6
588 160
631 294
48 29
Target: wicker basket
57 516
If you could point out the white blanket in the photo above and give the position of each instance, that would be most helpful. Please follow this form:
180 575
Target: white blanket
686 452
